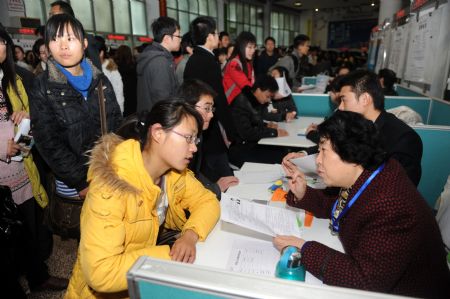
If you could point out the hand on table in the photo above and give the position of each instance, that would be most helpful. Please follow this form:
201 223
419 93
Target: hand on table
272 125
297 182
226 182
281 242
282 132
311 127
183 250
290 116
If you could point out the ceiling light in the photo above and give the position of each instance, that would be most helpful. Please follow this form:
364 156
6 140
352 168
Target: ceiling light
316 9
297 3
373 4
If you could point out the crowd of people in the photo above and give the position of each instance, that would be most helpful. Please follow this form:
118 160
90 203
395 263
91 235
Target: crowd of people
146 143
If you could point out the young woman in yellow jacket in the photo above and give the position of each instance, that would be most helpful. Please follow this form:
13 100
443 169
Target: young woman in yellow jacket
139 186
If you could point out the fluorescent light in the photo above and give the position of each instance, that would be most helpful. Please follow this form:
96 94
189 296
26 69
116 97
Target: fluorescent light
297 3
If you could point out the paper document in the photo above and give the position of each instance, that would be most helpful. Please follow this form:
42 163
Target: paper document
265 219
253 257
23 139
307 164
259 177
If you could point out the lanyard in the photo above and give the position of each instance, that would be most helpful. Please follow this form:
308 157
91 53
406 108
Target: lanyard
334 226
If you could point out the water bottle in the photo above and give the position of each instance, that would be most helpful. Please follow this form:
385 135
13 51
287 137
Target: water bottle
289 266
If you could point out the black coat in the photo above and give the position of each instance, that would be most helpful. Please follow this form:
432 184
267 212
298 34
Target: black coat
65 125
204 66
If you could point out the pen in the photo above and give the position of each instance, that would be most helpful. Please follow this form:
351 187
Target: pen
288 177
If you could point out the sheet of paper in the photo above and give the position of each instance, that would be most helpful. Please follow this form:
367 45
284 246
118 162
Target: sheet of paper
260 177
265 219
307 164
253 257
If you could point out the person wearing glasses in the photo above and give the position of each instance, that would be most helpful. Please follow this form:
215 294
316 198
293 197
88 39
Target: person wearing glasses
391 241
201 96
156 79
139 188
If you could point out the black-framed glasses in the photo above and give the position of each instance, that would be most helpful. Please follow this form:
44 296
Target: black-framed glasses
179 36
190 139
3 42
207 109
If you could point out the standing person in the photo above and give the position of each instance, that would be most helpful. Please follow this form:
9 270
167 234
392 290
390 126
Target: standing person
267 58
127 69
239 72
202 65
297 62
140 188
20 58
390 237
41 52
224 40
59 7
156 78
110 69
64 102
22 177
201 96
187 49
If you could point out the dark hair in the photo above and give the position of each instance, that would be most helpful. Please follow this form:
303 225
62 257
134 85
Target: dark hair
124 56
168 113
335 84
354 138
9 70
101 45
37 44
284 73
362 81
57 25
300 40
222 34
341 67
389 77
265 82
192 89
269 38
220 51
64 6
20 48
200 28
186 41
164 26
244 38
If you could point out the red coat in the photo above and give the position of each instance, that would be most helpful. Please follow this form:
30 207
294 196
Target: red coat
234 78
390 237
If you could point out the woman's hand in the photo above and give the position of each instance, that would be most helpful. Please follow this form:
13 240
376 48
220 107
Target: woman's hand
293 155
281 242
282 132
183 250
226 182
17 116
311 127
12 149
272 125
297 181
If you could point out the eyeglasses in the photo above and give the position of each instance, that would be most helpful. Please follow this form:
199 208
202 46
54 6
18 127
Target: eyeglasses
207 109
3 42
179 36
190 139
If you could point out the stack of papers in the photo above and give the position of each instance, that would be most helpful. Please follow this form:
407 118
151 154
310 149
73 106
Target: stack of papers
272 174
265 219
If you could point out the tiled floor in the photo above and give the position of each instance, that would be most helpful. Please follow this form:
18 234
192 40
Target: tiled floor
60 264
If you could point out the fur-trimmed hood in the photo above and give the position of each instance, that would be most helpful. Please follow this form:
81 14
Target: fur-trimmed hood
104 163
55 75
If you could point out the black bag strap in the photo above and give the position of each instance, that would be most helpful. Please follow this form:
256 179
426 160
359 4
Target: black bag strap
101 106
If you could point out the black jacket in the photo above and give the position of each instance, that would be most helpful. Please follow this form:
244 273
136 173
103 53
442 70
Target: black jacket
156 78
204 66
65 125
247 116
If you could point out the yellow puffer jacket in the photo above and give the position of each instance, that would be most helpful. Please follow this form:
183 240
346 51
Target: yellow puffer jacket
119 221
22 105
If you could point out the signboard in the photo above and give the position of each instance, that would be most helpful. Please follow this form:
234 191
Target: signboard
16 8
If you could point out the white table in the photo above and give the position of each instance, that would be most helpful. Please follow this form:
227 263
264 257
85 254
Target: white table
294 128
215 250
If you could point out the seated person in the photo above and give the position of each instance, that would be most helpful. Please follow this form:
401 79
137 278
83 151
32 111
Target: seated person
247 114
284 106
361 92
139 189
387 79
201 96
391 241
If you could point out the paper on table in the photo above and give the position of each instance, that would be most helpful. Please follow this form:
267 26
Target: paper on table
259 177
265 219
253 257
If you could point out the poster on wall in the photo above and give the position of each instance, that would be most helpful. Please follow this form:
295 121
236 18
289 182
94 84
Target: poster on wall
349 34
398 50
16 8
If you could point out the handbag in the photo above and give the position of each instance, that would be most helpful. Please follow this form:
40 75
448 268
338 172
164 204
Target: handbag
63 215
10 223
